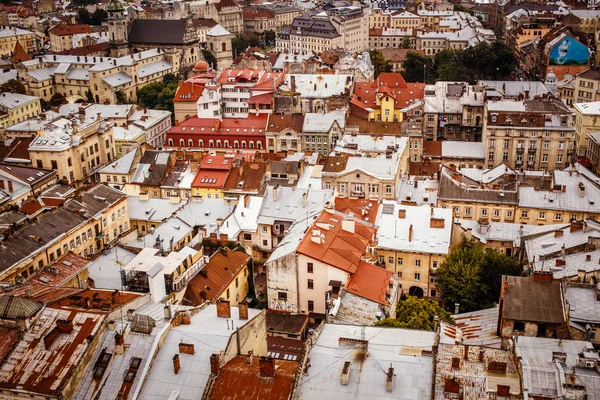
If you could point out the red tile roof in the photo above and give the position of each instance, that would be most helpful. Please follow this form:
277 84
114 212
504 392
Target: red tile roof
432 148
19 54
216 276
65 29
370 282
337 247
247 178
188 92
103 47
237 380
265 98
387 83
221 163
360 208
254 124
279 122
210 179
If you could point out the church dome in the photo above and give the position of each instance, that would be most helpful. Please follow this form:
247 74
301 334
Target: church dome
201 66
115 5
551 77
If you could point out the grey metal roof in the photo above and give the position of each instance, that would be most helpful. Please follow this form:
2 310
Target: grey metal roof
533 301
12 307
118 79
399 347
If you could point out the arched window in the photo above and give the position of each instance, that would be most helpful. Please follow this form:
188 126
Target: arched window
190 143
226 143
223 47
200 143
251 144
181 142
170 142
218 143
212 49
236 144
211 143
259 144
243 144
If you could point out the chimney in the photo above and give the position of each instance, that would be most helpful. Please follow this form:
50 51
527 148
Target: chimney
214 364
276 193
64 325
542 276
389 379
401 213
249 358
267 367
304 199
410 233
466 355
345 374
348 225
576 226
456 308
243 310
558 233
588 257
223 309
527 95
581 190
560 262
293 83
167 311
436 222
187 348
176 364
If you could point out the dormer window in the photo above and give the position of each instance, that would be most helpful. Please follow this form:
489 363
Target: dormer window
494 118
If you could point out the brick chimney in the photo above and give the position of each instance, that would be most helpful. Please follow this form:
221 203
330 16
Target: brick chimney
223 309
436 222
402 213
214 364
410 233
267 367
389 379
558 233
345 374
187 348
243 310
176 364
542 276
576 226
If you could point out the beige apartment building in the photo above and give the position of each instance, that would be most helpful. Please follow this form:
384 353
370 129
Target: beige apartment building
19 107
110 80
593 151
61 36
77 150
9 36
587 87
533 135
83 225
586 122
412 241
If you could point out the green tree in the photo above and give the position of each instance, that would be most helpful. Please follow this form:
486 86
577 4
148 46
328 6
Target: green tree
84 16
416 313
158 95
13 86
99 16
416 67
121 99
89 96
380 64
170 78
471 276
242 41
147 96
270 38
209 58
56 100
458 7
406 42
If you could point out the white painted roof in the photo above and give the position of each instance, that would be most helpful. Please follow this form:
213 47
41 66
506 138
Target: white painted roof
453 149
319 86
209 334
243 219
122 165
399 347
118 79
218 30
288 206
14 100
393 231
322 122
152 209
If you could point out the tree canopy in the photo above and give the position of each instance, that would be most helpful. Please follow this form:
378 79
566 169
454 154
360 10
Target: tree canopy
13 86
380 64
416 313
495 61
56 100
471 276
242 41
209 58
158 95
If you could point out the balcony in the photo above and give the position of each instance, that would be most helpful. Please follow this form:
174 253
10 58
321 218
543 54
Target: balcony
182 280
99 235
520 149
360 195
532 149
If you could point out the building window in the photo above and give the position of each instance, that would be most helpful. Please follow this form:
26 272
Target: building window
388 189
542 215
467 210
417 276
417 263
390 260
558 216
311 305
523 214
310 284
399 261
282 296
434 264
309 268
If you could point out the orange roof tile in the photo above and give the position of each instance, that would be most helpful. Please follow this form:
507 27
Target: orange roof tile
65 29
246 178
237 380
360 208
188 92
19 54
279 122
221 163
335 246
370 282
387 83
220 271
210 179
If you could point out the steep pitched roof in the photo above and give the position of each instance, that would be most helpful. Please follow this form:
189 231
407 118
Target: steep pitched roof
157 31
19 54
370 282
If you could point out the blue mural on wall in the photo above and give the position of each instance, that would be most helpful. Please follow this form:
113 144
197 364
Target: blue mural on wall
569 52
